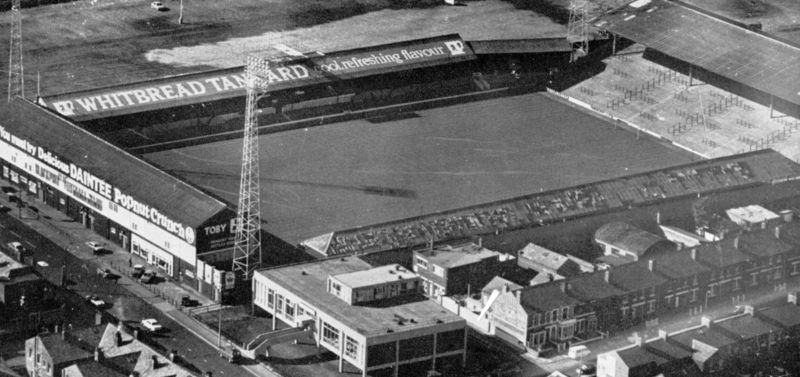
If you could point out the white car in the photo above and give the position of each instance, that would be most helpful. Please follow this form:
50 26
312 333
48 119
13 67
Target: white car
95 246
152 325
157 5
96 301
16 246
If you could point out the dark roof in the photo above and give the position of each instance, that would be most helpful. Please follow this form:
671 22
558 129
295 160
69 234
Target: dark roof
91 368
746 326
498 283
634 276
627 237
705 335
664 348
678 264
639 356
720 254
763 243
790 232
62 351
787 315
592 286
544 297
319 69
722 47
170 195
520 46
124 363
87 337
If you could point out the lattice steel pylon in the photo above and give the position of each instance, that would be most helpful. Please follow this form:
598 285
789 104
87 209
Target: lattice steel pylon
247 246
16 80
578 27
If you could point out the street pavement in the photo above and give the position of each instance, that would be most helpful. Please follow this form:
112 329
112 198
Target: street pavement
49 233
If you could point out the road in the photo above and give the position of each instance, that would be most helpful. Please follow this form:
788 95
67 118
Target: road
82 279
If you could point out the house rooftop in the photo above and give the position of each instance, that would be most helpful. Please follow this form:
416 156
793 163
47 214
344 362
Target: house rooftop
308 282
637 356
628 237
678 265
375 276
545 297
705 335
763 243
721 254
615 260
61 350
752 214
746 326
544 258
143 362
662 347
634 276
787 315
497 283
11 269
448 256
91 368
592 286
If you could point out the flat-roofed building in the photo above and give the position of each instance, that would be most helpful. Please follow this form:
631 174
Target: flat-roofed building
753 216
375 284
398 335
459 269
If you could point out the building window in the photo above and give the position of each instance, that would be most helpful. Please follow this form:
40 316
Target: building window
795 268
538 339
694 295
624 312
270 298
330 334
754 276
279 306
778 273
336 288
535 319
422 263
437 270
289 309
350 347
651 306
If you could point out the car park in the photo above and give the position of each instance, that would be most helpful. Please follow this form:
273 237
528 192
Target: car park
152 325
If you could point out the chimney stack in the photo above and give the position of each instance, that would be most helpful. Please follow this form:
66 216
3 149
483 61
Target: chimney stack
694 253
518 295
64 333
651 264
607 275
208 374
705 321
173 355
155 361
778 232
98 318
662 334
563 285
118 339
98 354
750 309
736 243
505 288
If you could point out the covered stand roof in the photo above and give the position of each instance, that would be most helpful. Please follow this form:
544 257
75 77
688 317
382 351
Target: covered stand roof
130 174
711 43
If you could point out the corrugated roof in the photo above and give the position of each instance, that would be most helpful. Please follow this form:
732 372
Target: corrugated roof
721 47
627 237
132 175
521 46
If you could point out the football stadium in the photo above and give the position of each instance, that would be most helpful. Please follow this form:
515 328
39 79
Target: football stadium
394 146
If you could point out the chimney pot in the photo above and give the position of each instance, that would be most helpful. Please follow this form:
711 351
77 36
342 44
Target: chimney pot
607 275
736 242
778 232
563 286
694 254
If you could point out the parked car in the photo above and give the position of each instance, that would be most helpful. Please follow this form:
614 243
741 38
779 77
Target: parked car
157 5
148 277
16 246
95 301
587 370
107 274
152 325
97 248
188 301
137 271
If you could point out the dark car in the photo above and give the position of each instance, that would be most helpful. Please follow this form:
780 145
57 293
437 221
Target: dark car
587 370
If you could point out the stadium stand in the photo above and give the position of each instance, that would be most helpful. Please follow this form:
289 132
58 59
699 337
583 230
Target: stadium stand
754 168
726 49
